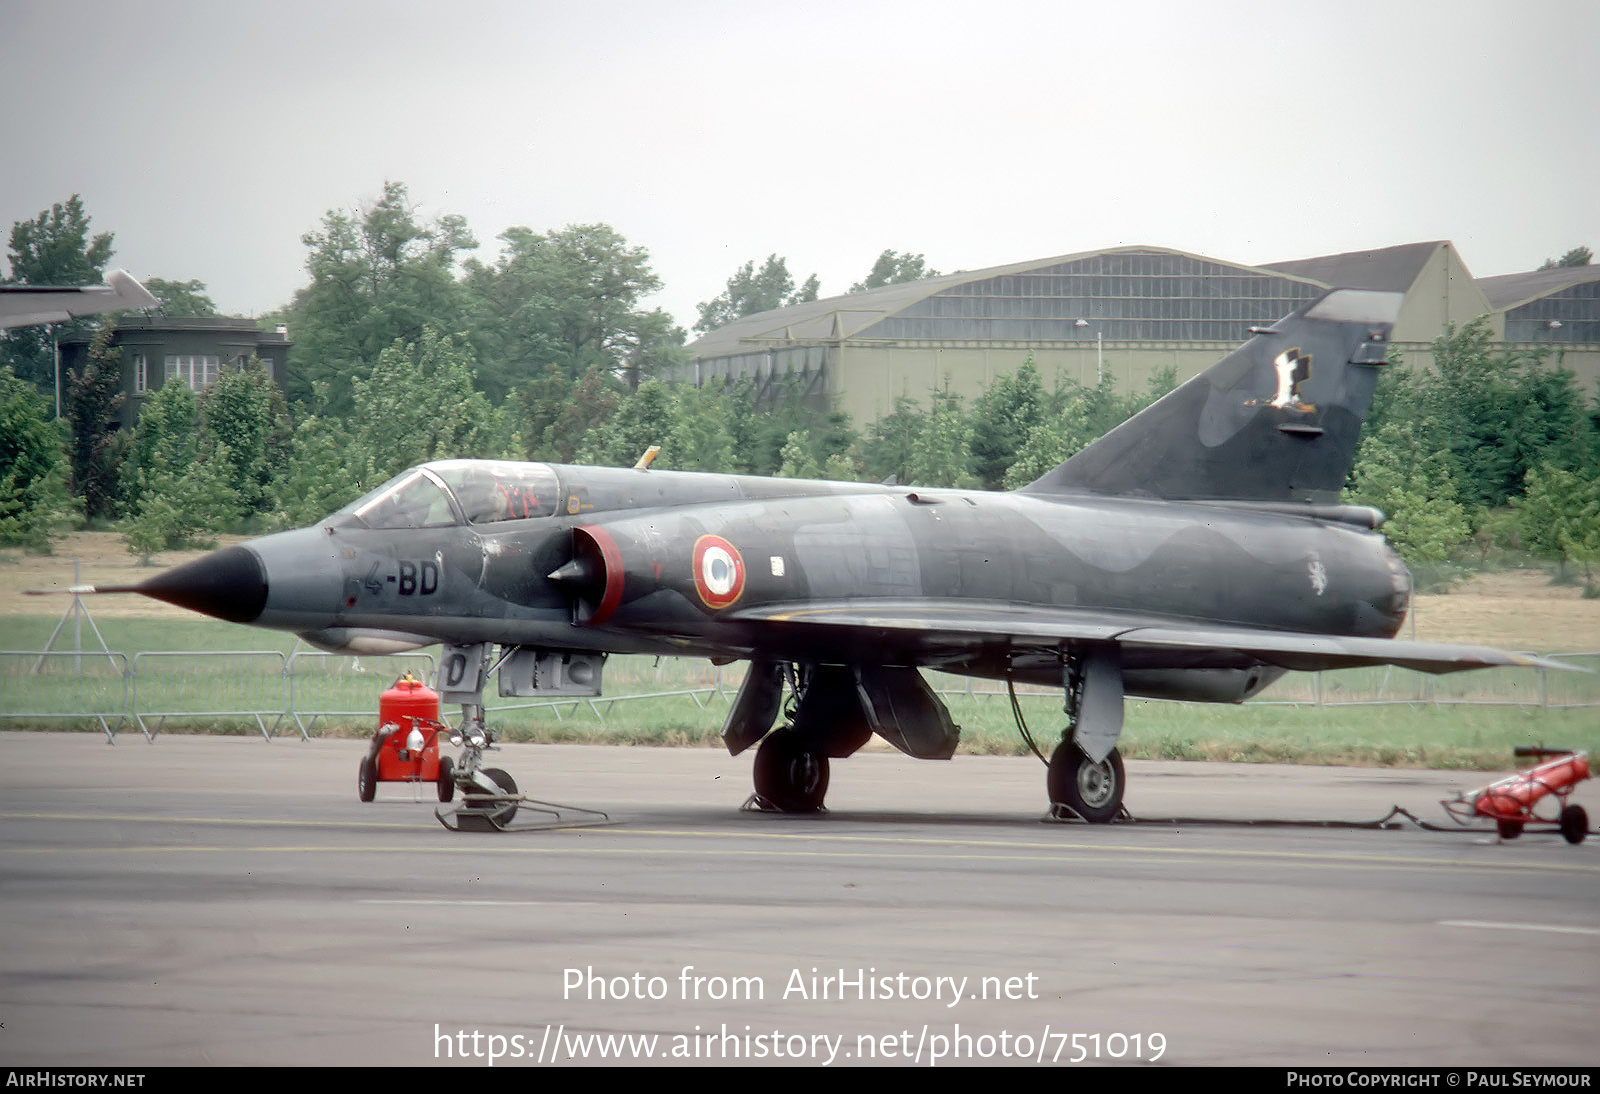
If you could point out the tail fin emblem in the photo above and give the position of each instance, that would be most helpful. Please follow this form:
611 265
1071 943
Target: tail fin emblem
1293 369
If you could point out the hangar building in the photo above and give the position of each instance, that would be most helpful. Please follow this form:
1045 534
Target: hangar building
1126 311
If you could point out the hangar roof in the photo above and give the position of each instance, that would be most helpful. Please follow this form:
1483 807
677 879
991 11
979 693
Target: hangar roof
1121 292
1510 290
1143 293
841 316
1390 269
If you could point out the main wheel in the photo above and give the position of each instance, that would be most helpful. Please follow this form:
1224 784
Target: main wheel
367 780
1574 824
1091 790
1508 829
486 816
791 773
447 778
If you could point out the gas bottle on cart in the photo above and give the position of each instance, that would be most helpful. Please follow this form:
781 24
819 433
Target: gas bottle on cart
408 748
405 703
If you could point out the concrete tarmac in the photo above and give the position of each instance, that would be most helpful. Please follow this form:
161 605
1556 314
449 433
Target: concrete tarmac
209 900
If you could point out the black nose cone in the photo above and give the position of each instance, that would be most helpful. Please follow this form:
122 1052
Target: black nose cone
230 584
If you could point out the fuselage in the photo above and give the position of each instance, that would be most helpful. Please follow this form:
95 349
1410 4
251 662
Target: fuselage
624 560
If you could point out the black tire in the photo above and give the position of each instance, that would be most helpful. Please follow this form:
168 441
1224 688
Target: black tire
1509 829
1091 790
1574 824
791 774
447 778
482 816
367 780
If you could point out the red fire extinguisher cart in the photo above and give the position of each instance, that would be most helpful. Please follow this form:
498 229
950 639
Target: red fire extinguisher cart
405 747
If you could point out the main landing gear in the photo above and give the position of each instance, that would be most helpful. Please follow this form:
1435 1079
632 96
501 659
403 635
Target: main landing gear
791 773
821 719
1092 791
1084 774
832 710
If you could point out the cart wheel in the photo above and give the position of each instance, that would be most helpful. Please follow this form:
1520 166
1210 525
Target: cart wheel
1574 824
1509 829
447 778
367 780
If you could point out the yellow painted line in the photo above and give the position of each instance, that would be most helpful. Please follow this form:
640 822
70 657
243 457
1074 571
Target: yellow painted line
140 818
1010 850
1130 849
1157 858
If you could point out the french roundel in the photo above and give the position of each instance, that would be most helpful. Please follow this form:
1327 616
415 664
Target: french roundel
718 571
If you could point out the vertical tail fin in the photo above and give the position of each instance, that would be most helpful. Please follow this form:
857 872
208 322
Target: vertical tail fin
1276 420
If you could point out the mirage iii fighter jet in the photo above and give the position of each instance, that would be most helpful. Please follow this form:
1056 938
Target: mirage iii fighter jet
1197 551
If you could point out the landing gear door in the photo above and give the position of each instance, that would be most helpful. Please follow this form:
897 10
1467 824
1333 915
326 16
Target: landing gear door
755 708
1099 720
461 674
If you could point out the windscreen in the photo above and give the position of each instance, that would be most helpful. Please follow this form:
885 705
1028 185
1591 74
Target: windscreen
409 500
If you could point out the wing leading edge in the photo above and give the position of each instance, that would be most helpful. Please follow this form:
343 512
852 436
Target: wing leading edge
27 305
976 624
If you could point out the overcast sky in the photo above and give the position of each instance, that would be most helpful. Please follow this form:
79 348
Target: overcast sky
210 136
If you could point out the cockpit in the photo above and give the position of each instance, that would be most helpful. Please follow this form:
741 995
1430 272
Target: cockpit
451 492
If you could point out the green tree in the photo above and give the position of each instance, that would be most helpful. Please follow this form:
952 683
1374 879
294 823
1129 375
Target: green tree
420 403
33 467
54 248
175 484
571 298
890 440
315 479
895 269
1578 256
760 422
181 299
1059 435
1397 471
1559 518
169 423
1496 414
1002 417
750 291
244 412
844 466
557 412
186 500
942 449
377 277
94 400
798 462
644 418
706 430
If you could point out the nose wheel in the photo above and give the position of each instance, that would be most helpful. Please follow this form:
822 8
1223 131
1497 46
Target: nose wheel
483 811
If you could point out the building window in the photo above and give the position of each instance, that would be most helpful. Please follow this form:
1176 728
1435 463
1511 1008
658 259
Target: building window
198 371
141 374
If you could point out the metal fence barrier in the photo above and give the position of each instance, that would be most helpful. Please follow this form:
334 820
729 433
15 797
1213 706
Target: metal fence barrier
335 685
66 685
270 688
209 684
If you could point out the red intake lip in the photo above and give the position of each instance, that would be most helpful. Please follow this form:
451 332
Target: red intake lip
598 540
